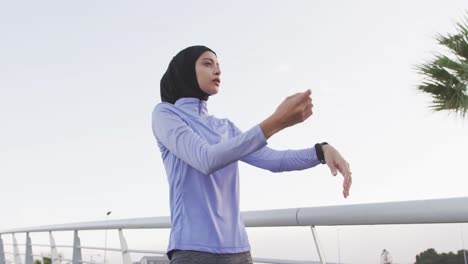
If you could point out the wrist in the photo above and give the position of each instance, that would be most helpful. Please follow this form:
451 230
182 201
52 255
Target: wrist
270 126
320 150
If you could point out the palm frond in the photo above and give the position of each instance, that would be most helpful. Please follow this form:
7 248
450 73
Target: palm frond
458 42
439 74
446 76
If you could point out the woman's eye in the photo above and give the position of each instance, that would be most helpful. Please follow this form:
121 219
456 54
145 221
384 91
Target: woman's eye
208 64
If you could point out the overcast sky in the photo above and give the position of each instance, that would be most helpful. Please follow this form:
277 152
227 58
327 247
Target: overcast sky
79 79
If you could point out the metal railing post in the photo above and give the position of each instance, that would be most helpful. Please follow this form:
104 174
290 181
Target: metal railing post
53 249
16 250
317 244
76 249
2 252
28 255
123 245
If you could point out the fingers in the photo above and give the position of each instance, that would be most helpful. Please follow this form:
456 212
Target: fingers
348 179
347 184
303 104
295 109
336 163
343 167
307 112
305 96
301 98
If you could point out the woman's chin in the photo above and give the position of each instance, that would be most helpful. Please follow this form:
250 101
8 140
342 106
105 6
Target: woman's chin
213 91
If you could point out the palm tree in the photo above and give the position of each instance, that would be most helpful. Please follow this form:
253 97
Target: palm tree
446 76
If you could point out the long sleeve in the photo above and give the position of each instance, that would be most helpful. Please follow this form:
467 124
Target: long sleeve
172 131
281 160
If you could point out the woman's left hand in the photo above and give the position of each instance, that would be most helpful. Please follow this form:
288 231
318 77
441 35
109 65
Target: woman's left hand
336 163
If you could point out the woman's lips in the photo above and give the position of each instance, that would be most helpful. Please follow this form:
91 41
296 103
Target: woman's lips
217 82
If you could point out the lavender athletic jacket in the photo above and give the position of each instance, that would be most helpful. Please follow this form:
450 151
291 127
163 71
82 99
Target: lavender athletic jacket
201 153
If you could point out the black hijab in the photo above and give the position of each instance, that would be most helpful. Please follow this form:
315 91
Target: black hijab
180 78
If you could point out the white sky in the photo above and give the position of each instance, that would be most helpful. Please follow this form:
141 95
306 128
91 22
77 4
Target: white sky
78 81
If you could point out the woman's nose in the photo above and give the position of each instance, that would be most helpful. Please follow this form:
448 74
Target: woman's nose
218 71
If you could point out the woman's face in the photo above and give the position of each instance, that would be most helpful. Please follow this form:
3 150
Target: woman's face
208 72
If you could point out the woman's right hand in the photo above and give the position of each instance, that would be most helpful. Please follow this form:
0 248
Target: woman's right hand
293 110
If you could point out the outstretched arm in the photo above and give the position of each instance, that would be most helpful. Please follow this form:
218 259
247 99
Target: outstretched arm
289 160
280 160
183 142
283 160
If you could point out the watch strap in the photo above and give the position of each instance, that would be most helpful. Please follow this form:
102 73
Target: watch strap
319 152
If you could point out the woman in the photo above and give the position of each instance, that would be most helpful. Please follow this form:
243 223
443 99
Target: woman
200 154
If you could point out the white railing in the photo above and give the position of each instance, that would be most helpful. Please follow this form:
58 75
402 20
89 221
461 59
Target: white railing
449 210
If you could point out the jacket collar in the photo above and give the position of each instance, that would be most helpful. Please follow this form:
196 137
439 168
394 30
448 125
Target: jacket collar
194 106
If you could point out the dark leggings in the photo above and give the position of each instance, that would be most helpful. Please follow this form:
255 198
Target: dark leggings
198 257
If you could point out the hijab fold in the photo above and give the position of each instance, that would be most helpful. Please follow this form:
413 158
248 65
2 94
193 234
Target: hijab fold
180 78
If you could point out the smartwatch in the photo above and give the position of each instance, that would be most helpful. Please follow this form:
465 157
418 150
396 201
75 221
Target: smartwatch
319 152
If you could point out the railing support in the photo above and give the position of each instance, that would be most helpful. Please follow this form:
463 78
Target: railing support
123 245
28 256
76 249
317 244
2 252
16 250
53 249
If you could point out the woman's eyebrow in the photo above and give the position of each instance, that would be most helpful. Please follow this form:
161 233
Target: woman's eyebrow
209 59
